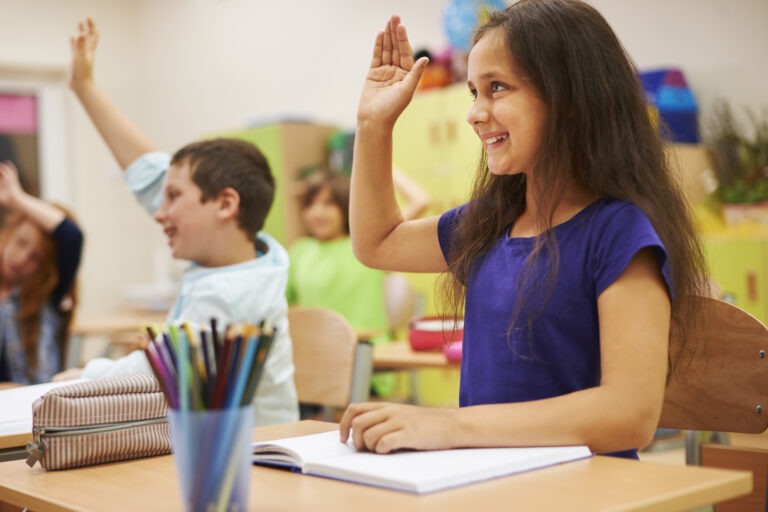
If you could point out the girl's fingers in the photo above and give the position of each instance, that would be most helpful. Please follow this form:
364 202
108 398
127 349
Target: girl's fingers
411 80
352 411
389 442
404 48
386 54
377 49
373 436
393 25
363 424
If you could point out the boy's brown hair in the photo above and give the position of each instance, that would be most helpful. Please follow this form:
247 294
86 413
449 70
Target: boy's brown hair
217 164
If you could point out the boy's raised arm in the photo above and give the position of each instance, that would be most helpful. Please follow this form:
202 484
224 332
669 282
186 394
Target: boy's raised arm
126 141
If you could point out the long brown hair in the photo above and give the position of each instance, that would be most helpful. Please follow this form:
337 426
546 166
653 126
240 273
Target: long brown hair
598 134
35 291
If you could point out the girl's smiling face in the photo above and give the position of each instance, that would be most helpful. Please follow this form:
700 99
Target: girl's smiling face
22 253
508 114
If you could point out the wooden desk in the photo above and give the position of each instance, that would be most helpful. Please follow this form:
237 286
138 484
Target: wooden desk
399 356
123 329
598 483
117 324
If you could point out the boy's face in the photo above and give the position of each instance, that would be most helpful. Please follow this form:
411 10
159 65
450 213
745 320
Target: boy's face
186 220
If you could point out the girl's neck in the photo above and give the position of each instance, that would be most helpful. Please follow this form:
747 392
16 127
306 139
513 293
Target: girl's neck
334 238
575 199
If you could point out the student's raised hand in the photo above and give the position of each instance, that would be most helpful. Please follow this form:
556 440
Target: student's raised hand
10 188
384 427
83 46
392 78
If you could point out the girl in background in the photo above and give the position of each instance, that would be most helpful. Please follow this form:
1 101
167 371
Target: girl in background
40 248
571 257
324 272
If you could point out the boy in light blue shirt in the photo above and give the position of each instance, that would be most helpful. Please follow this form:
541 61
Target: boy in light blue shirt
211 198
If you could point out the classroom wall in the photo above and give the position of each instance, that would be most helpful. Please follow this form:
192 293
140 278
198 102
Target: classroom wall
183 69
35 38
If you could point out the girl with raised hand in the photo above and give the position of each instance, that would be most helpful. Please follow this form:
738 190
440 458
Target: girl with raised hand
568 262
40 248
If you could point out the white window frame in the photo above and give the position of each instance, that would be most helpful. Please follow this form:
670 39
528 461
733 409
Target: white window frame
50 89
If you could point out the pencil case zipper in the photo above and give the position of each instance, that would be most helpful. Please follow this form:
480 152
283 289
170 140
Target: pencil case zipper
37 449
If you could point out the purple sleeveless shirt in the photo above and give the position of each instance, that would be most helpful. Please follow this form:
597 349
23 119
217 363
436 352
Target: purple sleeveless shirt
560 352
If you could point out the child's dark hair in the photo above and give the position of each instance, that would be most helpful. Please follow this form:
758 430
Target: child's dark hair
598 134
337 184
217 164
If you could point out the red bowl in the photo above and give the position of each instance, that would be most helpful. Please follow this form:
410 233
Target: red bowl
433 332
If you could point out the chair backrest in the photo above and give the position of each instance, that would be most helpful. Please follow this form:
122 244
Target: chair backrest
324 346
723 385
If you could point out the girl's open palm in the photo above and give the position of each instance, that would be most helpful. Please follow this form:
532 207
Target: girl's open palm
83 52
392 78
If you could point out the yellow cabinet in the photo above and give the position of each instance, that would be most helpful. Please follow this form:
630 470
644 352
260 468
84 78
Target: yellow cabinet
738 266
434 145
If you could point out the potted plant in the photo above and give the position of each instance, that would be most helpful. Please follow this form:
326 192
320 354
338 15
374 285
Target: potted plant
741 160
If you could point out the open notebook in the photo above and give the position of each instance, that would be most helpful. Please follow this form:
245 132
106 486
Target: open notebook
418 472
16 406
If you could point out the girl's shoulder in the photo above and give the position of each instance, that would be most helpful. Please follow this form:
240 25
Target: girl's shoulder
609 212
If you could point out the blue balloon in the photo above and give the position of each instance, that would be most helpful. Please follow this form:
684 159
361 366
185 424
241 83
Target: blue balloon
462 17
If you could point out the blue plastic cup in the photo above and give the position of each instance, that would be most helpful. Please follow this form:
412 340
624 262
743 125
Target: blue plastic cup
212 451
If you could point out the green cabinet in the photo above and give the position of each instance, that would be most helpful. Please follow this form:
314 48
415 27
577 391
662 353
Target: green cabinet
289 148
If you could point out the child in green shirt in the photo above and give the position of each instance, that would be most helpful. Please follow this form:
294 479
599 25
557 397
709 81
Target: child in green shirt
324 272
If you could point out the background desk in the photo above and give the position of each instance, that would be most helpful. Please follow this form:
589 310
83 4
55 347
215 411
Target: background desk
598 483
122 329
399 356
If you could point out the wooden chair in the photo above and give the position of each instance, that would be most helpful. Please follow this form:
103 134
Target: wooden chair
331 368
723 385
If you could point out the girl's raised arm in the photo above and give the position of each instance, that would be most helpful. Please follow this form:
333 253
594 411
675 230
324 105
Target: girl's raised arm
380 236
13 197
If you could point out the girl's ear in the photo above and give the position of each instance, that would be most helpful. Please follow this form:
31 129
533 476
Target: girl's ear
229 203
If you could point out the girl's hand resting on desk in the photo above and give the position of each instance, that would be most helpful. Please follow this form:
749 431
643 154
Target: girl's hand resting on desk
385 427
392 78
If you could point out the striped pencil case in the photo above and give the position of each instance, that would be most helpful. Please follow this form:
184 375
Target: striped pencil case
99 421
